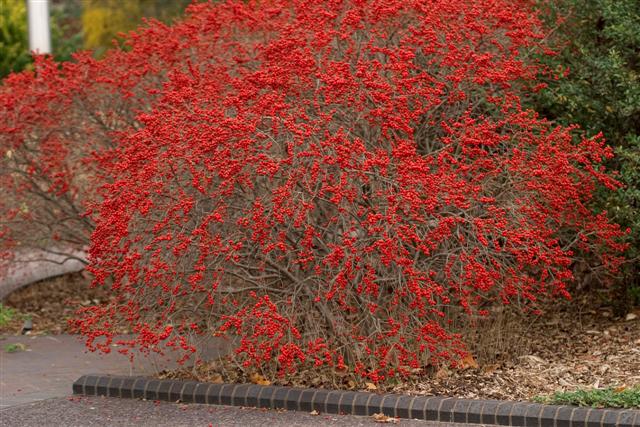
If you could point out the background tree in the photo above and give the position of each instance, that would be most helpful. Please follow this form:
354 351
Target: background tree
595 82
66 33
14 41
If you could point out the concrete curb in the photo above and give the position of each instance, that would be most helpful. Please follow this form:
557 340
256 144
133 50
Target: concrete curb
429 408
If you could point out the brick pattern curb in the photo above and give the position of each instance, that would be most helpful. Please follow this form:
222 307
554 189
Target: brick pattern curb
429 408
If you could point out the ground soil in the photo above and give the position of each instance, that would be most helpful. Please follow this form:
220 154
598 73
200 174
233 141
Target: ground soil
517 359
50 303
566 350
573 345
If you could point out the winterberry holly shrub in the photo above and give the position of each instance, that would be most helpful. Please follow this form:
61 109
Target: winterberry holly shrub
59 129
332 182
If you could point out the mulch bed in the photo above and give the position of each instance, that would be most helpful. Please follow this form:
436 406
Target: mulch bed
49 303
575 345
570 350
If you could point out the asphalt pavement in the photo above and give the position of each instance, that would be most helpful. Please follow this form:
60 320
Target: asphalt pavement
36 380
41 367
102 411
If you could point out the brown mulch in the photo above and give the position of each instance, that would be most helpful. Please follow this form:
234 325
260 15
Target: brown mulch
580 344
49 303
568 350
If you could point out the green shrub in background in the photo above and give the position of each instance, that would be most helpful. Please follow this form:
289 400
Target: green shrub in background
14 42
596 84
66 28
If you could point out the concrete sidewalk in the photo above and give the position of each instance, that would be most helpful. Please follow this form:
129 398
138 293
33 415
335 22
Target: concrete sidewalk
50 364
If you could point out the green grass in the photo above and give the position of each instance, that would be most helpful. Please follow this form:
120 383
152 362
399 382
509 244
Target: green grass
596 398
13 348
7 314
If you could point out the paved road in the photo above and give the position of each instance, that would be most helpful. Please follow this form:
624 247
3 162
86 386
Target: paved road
100 411
50 364
35 390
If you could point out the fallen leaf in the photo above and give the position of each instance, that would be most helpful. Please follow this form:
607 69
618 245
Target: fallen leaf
216 379
564 382
314 412
341 372
533 359
490 369
468 362
371 386
382 418
351 384
631 316
442 373
256 378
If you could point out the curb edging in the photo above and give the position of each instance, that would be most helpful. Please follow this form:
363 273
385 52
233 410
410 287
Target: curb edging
427 408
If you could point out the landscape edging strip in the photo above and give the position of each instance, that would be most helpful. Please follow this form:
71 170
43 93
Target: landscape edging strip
393 405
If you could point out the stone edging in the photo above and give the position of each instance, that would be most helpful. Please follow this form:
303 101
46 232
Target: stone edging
444 409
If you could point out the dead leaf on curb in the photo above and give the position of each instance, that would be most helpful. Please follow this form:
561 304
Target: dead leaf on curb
216 379
382 418
314 413
371 386
256 378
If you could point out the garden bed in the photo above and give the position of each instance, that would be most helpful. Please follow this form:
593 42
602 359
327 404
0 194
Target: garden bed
575 347
49 304
580 345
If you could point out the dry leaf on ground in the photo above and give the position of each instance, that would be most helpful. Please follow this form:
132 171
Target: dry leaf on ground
382 418
442 373
468 362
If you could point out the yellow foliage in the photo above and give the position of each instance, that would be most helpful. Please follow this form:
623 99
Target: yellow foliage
103 20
